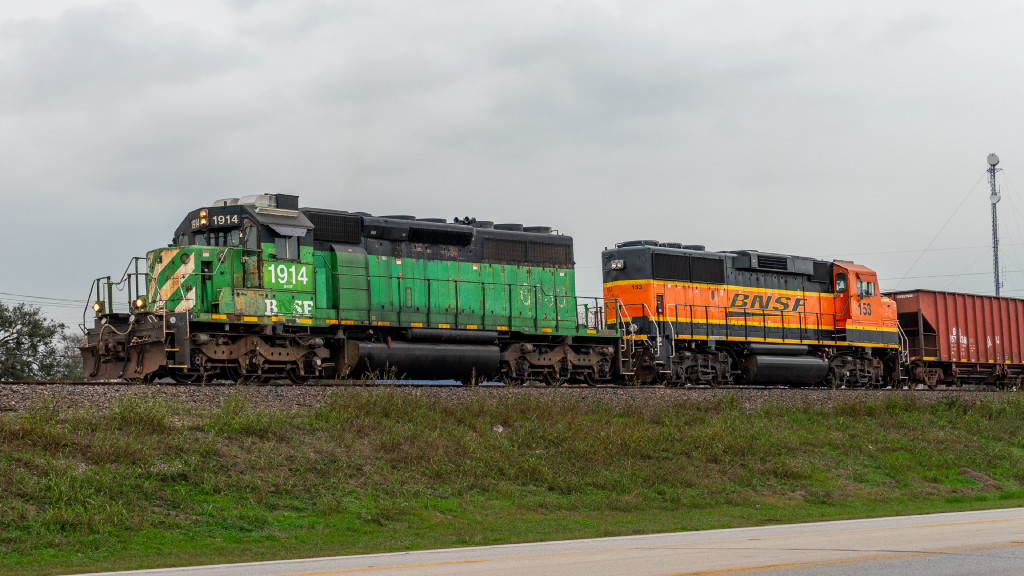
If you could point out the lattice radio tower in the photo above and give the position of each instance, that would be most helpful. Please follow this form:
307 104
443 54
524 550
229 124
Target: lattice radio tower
993 160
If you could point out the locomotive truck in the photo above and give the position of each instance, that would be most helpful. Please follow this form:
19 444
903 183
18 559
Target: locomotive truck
258 289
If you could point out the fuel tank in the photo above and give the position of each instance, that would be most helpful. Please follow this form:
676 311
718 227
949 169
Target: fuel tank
765 369
453 336
427 361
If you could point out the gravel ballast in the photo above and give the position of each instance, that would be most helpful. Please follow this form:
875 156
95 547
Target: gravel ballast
17 397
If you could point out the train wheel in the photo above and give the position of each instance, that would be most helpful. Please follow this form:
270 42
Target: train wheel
233 374
184 377
831 381
296 378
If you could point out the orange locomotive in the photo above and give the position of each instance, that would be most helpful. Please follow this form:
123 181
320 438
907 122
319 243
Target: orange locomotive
699 317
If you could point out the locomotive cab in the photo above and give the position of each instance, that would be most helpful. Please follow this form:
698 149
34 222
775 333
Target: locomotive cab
857 297
861 312
239 256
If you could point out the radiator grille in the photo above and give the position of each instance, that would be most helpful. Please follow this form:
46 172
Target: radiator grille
342 228
671 267
709 270
551 254
779 263
548 254
504 250
435 236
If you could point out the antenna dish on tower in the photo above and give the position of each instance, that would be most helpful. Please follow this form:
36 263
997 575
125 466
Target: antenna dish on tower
993 159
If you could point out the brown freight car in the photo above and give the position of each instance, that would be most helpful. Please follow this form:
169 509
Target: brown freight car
954 339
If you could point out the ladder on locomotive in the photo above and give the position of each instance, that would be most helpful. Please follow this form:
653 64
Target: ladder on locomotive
628 341
175 335
904 351
171 339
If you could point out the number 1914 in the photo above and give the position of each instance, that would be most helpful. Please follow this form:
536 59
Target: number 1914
281 273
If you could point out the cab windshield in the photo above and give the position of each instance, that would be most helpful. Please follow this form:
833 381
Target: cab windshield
221 237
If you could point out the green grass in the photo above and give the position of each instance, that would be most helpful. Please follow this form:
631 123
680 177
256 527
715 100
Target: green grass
150 483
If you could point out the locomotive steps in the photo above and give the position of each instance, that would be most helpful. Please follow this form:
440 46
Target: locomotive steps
115 477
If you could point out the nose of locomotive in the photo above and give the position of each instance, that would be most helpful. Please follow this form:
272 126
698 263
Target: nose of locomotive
172 282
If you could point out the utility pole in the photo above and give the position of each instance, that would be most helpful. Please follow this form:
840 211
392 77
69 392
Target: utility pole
993 160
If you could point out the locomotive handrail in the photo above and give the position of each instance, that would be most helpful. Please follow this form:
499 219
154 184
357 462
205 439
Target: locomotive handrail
904 345
537 291
760 319
92 285
672 348
124 282
599 310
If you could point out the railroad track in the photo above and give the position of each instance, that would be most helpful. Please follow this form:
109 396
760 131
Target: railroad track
488 385
22 396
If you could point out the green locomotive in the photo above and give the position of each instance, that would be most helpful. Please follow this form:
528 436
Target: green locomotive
257 289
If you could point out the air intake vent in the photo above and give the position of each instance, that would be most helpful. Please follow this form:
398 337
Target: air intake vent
822 271
547 254
550 254
436 236
341 228
709 270
504 250
777 263
671 267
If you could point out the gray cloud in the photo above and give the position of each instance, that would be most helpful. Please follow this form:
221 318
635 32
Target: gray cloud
805 128
96 58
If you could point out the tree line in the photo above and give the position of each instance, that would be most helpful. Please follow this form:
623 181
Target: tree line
34 347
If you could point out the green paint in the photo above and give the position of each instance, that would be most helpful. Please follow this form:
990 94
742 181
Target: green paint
345 284
288 276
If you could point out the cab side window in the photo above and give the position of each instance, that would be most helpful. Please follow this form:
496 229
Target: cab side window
251 237
865 288
840 283
287 247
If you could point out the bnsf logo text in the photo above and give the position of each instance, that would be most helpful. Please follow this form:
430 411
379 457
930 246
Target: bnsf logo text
780 303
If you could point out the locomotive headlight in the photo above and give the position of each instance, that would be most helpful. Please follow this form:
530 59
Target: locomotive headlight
202 221
140 303
618 264
98 307
203 213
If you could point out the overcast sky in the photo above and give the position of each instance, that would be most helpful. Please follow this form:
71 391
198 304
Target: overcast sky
815 128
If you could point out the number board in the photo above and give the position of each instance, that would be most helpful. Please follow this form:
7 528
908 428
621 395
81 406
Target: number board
288 276
215 220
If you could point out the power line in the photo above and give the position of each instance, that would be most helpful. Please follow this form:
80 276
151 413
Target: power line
75 300
1015 211
948 248
932 241
78 306
969 266
953 275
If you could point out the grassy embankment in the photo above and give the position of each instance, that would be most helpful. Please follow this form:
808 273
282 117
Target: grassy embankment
149 483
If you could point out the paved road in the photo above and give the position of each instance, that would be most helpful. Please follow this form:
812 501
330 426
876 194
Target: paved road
986 542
